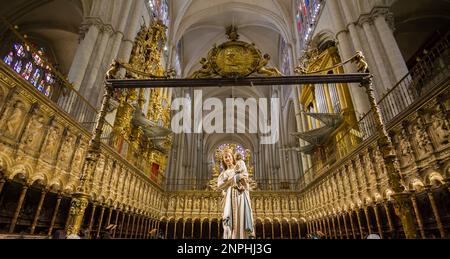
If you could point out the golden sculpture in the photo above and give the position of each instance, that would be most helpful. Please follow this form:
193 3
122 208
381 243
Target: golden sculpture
234 59
360 60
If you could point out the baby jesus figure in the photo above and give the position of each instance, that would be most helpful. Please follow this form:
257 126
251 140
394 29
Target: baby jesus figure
240 173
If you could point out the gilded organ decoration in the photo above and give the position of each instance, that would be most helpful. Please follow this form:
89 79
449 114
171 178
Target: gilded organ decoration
331 124
234 59
146 132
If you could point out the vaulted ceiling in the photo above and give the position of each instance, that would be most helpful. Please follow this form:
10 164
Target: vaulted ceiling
199 24
48 23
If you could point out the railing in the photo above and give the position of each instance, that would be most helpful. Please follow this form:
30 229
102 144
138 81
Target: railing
54 84
203 184
31 64
430 72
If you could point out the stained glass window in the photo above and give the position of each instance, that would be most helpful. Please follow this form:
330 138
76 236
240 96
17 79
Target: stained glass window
9 58
31 66
27 71
177 62
160 10
285 59
307 15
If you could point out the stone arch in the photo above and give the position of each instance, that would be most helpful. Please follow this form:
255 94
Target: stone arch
324 39
40 179
5 164
21 171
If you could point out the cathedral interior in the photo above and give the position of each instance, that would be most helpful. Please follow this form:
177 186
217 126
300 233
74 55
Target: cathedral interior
351 160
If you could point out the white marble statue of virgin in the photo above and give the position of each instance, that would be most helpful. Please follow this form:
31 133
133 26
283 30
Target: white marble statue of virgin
237 210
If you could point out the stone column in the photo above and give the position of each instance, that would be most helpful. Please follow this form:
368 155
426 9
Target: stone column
273 232
377 218
122 224
133 224
127 230
352 225
38 211
55 213
184 229
329 228
100 221
90 89
18 208
146 228
116 222
418 216
307 228
359 223
369 224
82 56
167 229
2 183
209 231
334 228
264 230
290 231
175 230
436 212
108 221
218 229
393 53
388 216
367 25
135 234
345 225
346 51
339 226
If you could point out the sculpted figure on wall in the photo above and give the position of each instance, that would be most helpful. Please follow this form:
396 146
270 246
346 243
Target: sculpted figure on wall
52 142
67 149
423 144
440 127
34 133
14 117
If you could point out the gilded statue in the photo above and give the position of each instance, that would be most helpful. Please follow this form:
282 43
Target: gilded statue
205 71
113 70
361 63
267 71
234 59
